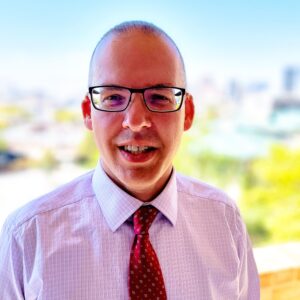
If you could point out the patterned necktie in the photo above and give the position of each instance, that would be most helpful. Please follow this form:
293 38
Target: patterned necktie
145 276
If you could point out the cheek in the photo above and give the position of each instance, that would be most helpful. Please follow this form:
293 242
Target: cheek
105 128
171 131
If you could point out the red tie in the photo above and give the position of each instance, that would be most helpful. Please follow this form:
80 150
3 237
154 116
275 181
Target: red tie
145 276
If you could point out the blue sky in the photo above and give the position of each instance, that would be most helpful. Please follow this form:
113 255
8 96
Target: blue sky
48 44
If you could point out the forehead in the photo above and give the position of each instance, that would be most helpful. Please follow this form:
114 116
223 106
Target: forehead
136 59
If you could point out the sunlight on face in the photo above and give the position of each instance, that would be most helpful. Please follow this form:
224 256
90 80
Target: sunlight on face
137 146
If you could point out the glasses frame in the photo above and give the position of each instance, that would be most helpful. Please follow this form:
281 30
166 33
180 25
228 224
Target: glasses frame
139 91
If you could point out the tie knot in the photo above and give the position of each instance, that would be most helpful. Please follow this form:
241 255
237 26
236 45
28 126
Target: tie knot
143 218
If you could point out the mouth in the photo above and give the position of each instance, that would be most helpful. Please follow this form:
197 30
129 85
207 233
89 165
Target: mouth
133 149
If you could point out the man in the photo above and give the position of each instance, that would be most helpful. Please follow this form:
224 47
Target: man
133 227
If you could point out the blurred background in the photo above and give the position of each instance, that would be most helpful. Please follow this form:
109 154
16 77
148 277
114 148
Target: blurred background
243 67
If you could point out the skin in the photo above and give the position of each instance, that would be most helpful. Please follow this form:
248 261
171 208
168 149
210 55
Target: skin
137 60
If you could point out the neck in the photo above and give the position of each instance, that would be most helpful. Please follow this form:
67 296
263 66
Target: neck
146 194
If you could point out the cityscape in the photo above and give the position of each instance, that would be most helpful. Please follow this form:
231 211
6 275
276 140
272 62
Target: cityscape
33 123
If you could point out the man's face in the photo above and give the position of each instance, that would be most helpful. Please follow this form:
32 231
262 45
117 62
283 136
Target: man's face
137 60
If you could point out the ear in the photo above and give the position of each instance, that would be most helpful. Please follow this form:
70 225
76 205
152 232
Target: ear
86 112
189 111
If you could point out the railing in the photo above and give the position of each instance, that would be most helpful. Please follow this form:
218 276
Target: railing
279 269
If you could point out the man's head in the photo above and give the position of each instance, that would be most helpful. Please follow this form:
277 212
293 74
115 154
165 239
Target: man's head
131 27
137 145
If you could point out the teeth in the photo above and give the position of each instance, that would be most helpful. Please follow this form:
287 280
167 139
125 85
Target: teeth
135 149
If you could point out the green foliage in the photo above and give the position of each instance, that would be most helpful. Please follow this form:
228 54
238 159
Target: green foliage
3 123
3 145
215 168
48 161
65 115
184 161
222 169
88 153
12 110
12 114
271 197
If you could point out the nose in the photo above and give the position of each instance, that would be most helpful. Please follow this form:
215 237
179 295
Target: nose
137 115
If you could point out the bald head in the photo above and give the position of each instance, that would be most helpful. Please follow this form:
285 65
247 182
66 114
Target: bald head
128 31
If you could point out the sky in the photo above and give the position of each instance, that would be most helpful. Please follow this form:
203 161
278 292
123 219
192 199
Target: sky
47 45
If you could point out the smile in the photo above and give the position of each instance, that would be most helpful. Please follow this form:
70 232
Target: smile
136 149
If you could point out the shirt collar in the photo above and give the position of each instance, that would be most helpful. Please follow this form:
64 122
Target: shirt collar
117 206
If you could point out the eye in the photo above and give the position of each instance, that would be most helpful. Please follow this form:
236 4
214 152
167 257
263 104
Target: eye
113 98
160 97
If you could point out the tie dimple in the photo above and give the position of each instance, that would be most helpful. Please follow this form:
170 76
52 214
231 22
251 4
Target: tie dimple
143 218
145 275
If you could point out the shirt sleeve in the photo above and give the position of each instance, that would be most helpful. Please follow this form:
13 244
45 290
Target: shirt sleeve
11 270
249 286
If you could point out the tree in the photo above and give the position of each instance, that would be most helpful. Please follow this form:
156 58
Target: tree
271 197
88 153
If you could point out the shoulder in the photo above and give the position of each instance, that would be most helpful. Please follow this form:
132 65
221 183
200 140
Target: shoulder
76 190
200 200
201 191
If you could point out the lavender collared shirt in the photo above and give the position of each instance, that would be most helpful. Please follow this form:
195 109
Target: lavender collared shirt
74 243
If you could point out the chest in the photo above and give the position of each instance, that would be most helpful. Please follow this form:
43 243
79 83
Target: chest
92 263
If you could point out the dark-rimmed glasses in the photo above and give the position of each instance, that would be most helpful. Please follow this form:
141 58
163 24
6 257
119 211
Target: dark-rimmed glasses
113 98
